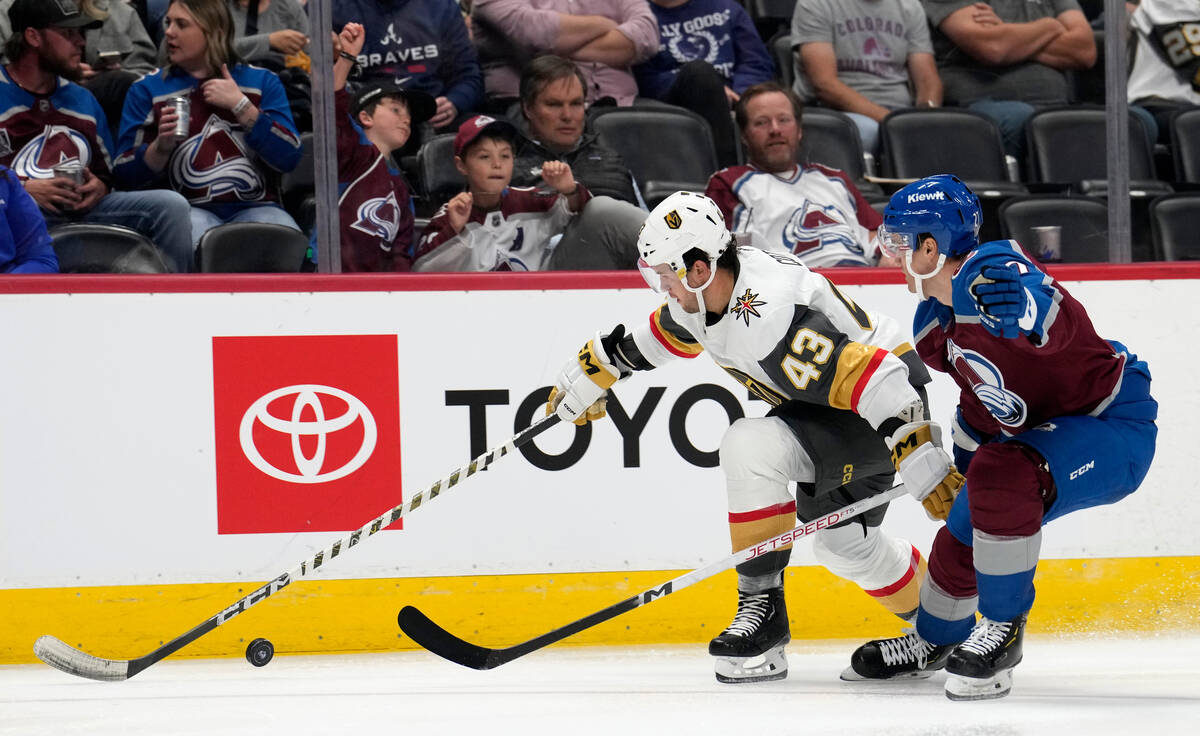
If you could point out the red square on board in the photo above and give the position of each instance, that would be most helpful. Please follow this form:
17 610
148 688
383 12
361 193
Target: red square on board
307 432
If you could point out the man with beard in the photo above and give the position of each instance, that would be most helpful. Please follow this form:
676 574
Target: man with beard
50 121
810 210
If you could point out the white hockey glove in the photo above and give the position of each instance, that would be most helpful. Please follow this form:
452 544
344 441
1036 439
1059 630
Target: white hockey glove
578 395
925 468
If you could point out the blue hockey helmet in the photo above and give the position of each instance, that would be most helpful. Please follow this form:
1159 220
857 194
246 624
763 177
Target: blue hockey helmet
941 205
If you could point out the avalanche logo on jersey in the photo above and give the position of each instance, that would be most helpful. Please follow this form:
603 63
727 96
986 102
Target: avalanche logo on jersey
813 226
1008 408
57 144
746 306
215 163
380 218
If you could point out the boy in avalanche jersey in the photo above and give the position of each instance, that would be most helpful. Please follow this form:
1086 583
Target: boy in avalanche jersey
1051 419
492 226
845 384
374 204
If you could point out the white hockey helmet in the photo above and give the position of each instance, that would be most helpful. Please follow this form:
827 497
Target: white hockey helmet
681 222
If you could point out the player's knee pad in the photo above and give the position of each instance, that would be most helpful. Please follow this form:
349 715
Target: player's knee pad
863 555
1008 485
759 456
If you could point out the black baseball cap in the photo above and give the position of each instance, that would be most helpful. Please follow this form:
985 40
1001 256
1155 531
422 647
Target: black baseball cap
421 106
47 13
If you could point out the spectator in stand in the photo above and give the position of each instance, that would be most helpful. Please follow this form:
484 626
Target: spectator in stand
495 227
554 114
603 37
270 32
709 53
239 137
25 246
1007 58
115 54
274 34
374 204
1164 78
421 45
50 122
808 209
865 58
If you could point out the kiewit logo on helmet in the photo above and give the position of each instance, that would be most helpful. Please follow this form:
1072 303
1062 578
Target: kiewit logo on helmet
925 197
306 439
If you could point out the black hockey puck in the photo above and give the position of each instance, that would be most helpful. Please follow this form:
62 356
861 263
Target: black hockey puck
260 652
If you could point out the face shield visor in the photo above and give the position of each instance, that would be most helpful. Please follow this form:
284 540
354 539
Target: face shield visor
895 243
662 277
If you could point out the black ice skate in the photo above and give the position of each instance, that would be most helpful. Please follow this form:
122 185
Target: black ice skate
751 648
907 657
981 667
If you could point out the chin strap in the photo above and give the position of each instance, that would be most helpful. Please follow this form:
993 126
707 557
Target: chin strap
918 278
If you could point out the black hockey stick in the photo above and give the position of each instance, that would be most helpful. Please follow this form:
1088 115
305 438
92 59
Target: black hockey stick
428 634
67 658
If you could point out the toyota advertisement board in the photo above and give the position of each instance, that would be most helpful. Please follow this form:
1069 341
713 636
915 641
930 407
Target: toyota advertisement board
216 437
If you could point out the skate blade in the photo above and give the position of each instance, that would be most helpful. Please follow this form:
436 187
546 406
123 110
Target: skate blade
771 665
979 688
849 675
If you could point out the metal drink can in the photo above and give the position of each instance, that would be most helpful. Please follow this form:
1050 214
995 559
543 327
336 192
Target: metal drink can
71 170
183 115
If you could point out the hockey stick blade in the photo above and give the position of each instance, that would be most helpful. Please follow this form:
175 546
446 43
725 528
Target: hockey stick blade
60 655
424 631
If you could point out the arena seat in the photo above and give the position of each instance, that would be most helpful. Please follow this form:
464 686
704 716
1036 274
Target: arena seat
781 50
668 149
440 180
251 247
1175 226
1066 148
1084 223
1185 146
831 138
920 142
96 248
770 16
298 186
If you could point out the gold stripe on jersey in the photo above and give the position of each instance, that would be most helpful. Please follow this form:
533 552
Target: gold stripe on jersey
858 313
759 389
855 361
666 331
902 348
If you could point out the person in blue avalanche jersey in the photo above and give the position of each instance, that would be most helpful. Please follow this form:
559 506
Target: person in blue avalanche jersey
1051 419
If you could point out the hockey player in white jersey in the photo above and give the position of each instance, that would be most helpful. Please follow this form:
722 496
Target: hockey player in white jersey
845 386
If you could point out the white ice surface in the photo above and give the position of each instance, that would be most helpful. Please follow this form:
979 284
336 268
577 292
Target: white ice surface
1146 687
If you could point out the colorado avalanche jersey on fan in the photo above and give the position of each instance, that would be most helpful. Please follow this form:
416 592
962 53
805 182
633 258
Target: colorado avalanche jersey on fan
816 213
1000 394
515 237
789 333
39 132
374 206
221 166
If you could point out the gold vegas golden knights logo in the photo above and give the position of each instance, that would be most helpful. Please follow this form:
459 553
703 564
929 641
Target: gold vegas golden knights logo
673 220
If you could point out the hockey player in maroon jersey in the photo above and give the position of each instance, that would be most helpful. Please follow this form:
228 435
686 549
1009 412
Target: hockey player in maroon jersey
844 384
374 203
1051 419
496 227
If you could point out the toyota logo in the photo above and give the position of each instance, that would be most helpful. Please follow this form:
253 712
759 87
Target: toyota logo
307 396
